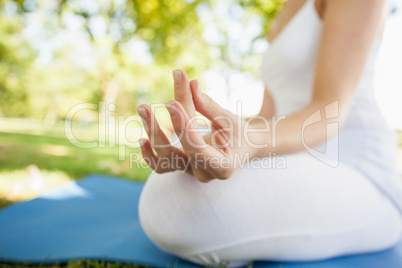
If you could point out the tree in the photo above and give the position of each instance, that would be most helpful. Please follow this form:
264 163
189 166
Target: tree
104 44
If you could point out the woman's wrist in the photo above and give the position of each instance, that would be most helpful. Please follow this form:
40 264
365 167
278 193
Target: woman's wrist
251 140
257 137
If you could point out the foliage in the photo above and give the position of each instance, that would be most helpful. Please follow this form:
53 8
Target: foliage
15 60
55 54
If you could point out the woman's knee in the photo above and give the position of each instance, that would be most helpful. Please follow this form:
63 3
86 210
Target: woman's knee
161 211
389 230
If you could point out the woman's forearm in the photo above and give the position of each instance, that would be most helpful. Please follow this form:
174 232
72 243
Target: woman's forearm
259 136
291 134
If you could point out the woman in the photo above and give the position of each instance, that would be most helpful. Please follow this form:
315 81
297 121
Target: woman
345 200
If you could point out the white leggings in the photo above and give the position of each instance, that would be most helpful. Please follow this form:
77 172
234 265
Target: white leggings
305 212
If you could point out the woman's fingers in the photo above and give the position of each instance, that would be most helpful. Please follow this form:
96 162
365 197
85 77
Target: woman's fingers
182 91
162 165
148 154
167 154
206 106
157 137
193 143
206 161
189 136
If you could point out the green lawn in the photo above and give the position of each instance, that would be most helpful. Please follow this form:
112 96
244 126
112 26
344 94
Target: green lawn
74 264
19 150
57 160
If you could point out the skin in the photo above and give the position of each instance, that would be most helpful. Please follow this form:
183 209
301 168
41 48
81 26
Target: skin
349 29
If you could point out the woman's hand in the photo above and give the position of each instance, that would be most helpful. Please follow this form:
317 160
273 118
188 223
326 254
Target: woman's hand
209 157
168 157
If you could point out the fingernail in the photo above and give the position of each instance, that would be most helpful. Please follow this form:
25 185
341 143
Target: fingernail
142 112
142 142
171 107
177 76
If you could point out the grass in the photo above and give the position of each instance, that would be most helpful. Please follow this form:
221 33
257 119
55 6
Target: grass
18 150
86 264
74 264
29 150
34 158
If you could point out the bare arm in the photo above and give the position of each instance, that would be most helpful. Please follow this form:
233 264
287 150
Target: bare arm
349 28
267 111
268 106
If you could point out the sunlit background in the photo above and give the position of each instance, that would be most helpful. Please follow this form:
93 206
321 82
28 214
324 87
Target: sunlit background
55 55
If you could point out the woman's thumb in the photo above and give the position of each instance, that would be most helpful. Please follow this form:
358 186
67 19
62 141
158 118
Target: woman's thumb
205 105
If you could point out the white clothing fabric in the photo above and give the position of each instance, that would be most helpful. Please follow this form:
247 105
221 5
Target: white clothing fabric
306 210
365 142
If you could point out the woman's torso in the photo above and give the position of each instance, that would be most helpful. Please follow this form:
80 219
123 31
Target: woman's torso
364 141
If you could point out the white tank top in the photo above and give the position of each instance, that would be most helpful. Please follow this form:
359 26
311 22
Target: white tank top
365 142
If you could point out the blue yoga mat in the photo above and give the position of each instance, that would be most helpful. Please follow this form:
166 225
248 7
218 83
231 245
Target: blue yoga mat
96 218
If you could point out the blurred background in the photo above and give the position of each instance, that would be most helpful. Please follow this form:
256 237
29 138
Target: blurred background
56 55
